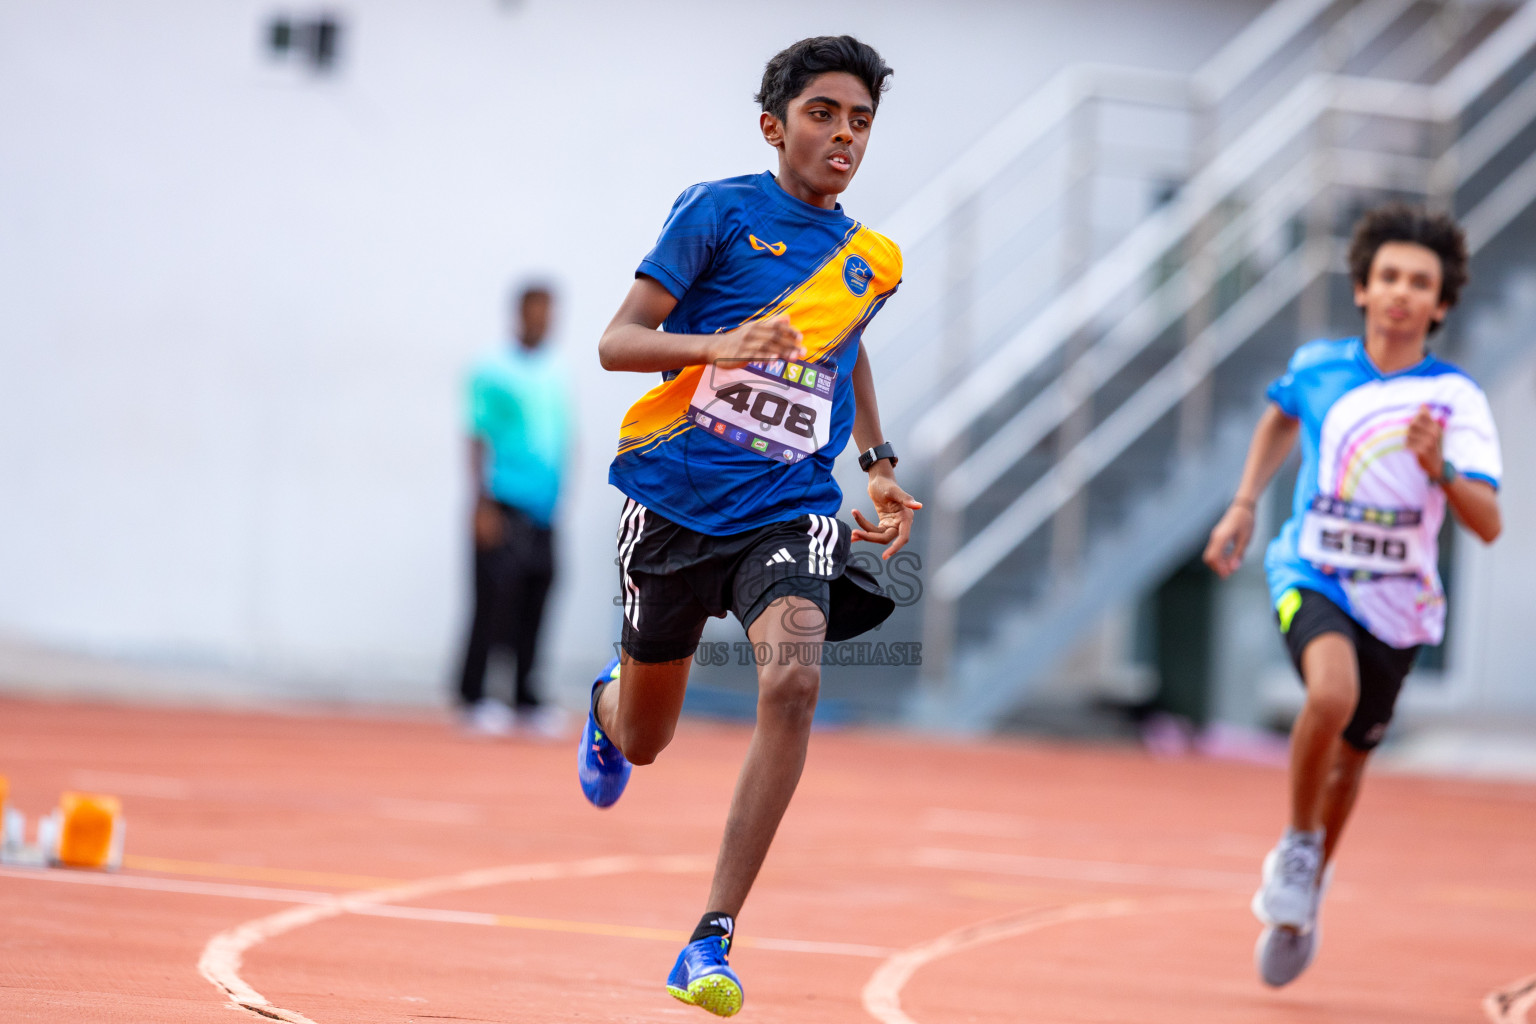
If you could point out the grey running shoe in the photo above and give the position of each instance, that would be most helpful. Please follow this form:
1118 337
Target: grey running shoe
1283 953
1287 895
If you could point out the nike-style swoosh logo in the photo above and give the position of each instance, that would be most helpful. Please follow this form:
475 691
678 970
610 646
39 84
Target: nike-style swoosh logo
777 248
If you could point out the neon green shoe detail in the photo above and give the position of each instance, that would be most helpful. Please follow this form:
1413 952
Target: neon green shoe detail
701 977
717 993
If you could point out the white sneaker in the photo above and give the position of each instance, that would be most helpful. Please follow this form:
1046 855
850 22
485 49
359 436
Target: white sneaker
1287 896
1283 953
546 723
487 718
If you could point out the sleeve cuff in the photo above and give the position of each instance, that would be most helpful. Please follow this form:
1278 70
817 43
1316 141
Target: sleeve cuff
1484 477
1277 396
663 277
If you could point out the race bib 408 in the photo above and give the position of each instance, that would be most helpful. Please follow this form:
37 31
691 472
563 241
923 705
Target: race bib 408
781 410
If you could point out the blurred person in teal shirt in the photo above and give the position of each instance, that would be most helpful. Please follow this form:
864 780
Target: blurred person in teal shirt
520 437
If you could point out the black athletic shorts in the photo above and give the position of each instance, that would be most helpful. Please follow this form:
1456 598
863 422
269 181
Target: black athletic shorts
1305 615
673 578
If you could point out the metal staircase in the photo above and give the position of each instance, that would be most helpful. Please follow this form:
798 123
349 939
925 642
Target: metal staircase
1115 270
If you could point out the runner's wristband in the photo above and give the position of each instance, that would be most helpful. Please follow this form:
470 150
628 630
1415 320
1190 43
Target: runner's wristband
1448 473
883 450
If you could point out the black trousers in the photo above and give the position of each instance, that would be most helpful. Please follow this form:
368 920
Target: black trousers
511 583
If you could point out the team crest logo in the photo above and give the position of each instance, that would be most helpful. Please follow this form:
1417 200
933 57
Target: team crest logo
857 274
777 248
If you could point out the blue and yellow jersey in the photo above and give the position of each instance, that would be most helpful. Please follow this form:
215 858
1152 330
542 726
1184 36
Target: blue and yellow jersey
725 451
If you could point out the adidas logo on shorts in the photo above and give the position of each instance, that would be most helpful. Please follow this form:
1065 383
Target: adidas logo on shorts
783 555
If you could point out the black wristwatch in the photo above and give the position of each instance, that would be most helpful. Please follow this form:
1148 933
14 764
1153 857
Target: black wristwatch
883 450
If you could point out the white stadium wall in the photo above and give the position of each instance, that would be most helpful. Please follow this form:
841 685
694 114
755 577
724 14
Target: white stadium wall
237 298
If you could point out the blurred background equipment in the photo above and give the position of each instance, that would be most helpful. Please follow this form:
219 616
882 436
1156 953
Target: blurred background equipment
86 830
313 41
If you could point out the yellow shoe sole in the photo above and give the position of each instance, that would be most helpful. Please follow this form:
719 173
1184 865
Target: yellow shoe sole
713 992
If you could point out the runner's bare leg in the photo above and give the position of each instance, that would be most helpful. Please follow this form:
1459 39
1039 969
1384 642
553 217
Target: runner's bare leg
1333 688
639 710
786 702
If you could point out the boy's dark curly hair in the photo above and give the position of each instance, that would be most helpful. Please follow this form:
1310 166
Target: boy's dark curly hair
1400 222
791 69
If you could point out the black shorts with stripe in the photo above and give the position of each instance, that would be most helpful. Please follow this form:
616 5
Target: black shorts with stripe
672 578
1304 615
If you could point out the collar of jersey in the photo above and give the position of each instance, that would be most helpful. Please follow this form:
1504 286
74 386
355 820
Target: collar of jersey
798 207
1418 369
514 352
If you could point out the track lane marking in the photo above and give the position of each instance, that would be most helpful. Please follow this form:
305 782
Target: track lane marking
1513 1003
168 866
882 993
469 917
224 954
1064 869
176 885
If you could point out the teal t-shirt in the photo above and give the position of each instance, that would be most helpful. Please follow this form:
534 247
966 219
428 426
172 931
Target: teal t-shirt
519 406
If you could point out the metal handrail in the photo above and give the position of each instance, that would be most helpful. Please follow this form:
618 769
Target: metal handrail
1119 344
1032 344
1121 268
1127 423
1184 372
1049 107
1028 124
1447 100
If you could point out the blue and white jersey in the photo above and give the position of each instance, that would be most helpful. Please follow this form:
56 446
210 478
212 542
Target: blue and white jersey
1366 518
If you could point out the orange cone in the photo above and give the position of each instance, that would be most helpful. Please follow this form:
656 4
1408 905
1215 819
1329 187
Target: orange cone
90 834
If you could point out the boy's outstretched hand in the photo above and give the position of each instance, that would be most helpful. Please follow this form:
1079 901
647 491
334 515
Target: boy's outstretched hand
760 340
894 508
1229 540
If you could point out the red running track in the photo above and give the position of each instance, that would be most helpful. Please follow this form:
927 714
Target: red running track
338 869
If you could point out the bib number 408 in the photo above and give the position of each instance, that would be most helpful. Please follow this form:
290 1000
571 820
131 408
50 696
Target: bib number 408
769 408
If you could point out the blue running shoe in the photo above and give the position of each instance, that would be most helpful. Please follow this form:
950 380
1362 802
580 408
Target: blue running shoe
702 978
603 771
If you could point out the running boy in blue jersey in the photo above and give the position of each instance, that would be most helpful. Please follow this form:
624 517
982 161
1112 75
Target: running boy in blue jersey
751 306
1390 435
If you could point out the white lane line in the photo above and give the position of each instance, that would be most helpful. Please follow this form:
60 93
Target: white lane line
882 994
224 953
436 812
1512 1004
224 889
822 948
1082 870
123 784
470 917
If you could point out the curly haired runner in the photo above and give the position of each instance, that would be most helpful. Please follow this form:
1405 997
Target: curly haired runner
761 287
1390 436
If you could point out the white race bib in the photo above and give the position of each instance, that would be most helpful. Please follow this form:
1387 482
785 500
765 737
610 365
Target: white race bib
781 410
1348 537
